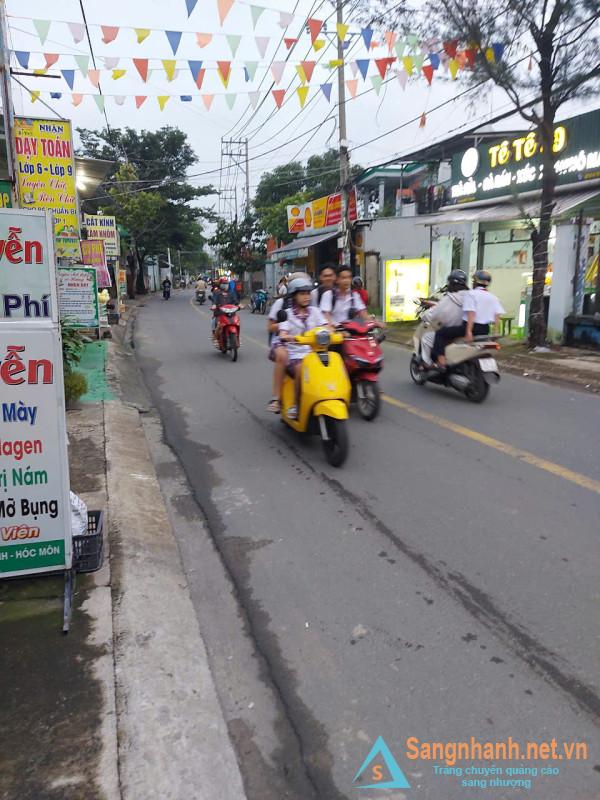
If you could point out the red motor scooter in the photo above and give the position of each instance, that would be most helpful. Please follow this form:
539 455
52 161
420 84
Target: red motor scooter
363 358
227 332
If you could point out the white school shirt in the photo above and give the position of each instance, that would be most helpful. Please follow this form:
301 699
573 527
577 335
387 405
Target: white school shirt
343 304
485 305
294 325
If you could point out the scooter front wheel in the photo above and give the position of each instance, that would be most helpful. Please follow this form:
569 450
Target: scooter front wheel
233 347
415 373
367 399
335 446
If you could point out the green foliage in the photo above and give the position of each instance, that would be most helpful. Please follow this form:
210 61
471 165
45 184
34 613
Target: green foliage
240 244
73 343
75 386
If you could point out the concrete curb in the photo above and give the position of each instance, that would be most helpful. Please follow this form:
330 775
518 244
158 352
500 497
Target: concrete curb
173 739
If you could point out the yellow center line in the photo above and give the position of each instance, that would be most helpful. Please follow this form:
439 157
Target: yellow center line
481 438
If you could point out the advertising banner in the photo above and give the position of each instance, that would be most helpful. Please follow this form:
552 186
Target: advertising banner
27 287
46 175
78 296
92 255
5 195
35 527
320 213
101 226
406 280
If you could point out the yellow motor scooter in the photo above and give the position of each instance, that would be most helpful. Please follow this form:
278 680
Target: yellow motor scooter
324 394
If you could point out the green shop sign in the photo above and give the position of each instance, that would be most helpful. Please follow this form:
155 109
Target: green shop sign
511 166
5 195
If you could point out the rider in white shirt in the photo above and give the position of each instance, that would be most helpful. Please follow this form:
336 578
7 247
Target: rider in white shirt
344 304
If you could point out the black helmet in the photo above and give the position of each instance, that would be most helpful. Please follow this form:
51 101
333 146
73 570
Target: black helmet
482 278
457 280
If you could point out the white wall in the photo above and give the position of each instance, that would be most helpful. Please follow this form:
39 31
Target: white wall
561 295
397 237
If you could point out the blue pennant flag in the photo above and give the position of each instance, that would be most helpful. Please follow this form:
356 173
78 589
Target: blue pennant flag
363 66
23 58
190 5
56 95
195 67
498 49
186 98
69 76
326 89
367 34
174 38
434 60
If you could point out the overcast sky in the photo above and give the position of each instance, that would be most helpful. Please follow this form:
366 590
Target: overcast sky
269 130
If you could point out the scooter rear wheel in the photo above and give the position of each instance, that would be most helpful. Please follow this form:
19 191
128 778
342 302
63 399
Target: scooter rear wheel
368 399
336 446
415 373
478 388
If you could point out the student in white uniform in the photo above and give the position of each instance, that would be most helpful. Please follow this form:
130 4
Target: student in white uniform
327 276
342 304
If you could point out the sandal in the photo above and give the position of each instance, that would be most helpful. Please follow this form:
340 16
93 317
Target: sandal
292 413
274 406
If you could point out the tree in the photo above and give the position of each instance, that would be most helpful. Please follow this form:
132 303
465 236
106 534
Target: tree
563 40
240 244
281 182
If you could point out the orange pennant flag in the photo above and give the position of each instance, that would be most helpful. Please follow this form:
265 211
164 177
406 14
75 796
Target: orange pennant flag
94 77
109 33
314 26
390 39
203 39
309 68
207 99
51 58
278 95
140 99
352 87
76 98
224 70
224 7
141 64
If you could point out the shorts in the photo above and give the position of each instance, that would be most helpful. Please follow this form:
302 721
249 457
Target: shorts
273 348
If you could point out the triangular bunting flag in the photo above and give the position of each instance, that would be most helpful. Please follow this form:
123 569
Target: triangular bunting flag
309 68
402 79
118 73
423 120
302 94
400 48
83 63
39 71
253 98
169 66
342 30
471 55
120 99
162 100
185 98
77 31
354 69
301 73
142 34
289 43
326 89
418 60
428 72
498 49
434 60
34 94
390 39
174 38
94 77
230 100
377 82
56 95
262 42
336 62
141 64
51 59
383 64
319 44
99 99
256 13
285 19
22 57
109 33
42 27
140 99
250 67
352 87
195 69
408 64
277 68
451 47
412 40
207 99
224 7
367 35
453 65
314 26
111 62
190 5
234 43
278 95
76 99
224 71
363 66
489 54
69 76
203 39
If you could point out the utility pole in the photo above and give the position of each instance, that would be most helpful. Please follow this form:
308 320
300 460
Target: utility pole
344 160
7 105
234 155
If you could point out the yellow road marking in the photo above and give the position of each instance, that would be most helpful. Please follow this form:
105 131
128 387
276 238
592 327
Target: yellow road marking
481 438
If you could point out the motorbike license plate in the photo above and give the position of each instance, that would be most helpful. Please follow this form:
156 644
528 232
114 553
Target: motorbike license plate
488 365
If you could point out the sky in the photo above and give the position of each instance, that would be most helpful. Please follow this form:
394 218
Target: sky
275 136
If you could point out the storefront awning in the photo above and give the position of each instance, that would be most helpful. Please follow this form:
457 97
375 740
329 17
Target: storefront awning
563 204
299 247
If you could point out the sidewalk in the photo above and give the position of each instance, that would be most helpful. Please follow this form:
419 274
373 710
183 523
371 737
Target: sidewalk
124 707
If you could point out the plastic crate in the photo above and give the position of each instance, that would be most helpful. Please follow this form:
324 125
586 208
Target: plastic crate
88 549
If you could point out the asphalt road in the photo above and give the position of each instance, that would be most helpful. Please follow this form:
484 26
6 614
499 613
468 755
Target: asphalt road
442 585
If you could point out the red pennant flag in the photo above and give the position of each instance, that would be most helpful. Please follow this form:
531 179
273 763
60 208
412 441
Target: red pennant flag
289 43
109 33
314 26
200 78
470 55
139 100
428 72
383 64
278 95
51 58
141 64
309 68
224 69
423 121
451 47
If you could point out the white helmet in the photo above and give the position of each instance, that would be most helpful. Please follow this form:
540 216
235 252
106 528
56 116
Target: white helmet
299 285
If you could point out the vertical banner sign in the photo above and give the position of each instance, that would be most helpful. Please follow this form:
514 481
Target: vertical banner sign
27 285
405 281
104 227
34 469
92 255
5 195
46 175
78 297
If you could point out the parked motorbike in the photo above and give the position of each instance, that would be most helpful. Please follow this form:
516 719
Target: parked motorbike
258 301
200 296
363 358
470 366
227 332
324 395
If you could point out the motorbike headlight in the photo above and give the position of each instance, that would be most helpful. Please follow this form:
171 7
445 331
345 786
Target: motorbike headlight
323 338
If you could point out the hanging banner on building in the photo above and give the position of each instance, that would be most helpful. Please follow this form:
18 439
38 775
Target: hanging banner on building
78 296
104 227
320 213
35 526
92 255
406 280
46 175
27 287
